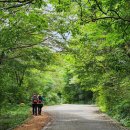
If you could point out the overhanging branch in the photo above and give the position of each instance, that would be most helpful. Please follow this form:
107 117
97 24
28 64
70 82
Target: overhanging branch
19 4
110 17
107 16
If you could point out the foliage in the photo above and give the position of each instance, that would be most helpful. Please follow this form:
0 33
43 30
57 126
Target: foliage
66 53
13 115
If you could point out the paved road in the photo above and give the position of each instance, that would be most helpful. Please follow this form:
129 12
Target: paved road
80 117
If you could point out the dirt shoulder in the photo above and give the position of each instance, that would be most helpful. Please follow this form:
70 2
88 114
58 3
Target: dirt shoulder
35 122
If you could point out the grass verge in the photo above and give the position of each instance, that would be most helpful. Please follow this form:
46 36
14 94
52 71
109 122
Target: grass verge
13 115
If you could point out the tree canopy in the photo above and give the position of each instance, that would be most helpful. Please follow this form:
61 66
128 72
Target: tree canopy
71 51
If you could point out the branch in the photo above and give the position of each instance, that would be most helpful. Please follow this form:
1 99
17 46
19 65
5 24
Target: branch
10 1
117 14
15 57
24 46
100 7
18 5
110 17
106 13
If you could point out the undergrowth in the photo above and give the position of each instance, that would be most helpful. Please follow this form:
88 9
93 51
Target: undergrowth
13 115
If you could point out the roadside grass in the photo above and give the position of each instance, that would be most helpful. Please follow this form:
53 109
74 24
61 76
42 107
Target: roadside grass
13 115
126 121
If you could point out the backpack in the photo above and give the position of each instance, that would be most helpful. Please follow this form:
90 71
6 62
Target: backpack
40 99
35 100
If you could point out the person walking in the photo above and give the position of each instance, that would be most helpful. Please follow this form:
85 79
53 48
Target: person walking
40 104
34 104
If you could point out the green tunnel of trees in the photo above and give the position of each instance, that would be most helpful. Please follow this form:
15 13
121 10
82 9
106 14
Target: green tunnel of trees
70 51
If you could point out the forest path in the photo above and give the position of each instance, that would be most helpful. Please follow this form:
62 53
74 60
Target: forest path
80 117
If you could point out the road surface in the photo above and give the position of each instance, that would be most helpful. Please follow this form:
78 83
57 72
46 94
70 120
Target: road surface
79 117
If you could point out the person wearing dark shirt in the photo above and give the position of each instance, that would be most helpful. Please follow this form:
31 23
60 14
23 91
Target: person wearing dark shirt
40 104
